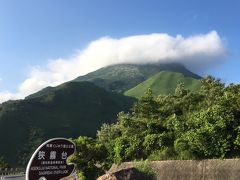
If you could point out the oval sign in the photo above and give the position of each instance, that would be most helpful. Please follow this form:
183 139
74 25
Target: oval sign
49 161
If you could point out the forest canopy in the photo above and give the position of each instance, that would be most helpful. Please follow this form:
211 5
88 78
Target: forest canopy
184 125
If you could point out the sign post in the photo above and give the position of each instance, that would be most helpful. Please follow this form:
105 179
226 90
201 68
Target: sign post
49 161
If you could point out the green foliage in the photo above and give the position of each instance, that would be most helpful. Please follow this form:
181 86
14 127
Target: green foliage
210 134
89 157
180 123
166 153
73 108
127 147
185 125
35 138
68 110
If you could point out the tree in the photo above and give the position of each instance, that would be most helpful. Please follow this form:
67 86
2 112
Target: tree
146 107
89 157
184 125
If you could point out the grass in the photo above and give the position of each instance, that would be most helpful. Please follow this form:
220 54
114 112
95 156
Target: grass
163 83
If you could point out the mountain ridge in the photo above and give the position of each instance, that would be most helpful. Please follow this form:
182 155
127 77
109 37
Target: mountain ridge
113 78
122 77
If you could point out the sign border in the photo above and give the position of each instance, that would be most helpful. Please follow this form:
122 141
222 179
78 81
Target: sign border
36 151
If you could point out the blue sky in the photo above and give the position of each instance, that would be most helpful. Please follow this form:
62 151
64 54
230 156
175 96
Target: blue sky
34 32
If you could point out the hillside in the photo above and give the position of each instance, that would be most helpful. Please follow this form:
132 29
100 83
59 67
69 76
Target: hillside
122 77
68 110
164 83
79 107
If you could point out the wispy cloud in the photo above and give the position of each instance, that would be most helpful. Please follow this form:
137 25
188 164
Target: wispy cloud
199 51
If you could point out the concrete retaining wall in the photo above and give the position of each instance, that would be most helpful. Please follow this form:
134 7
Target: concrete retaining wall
228 169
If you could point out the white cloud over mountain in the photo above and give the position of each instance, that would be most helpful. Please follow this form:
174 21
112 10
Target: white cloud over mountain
196 52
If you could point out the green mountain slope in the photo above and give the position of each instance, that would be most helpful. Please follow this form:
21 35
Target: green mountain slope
79 108
68 110
164 82
122 77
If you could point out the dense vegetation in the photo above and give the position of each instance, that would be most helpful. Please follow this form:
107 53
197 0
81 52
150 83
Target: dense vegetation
79 108
184 125
68 110
177 124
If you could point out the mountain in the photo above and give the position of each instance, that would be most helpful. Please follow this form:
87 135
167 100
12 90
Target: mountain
68 110
81 106
164 82
122 77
